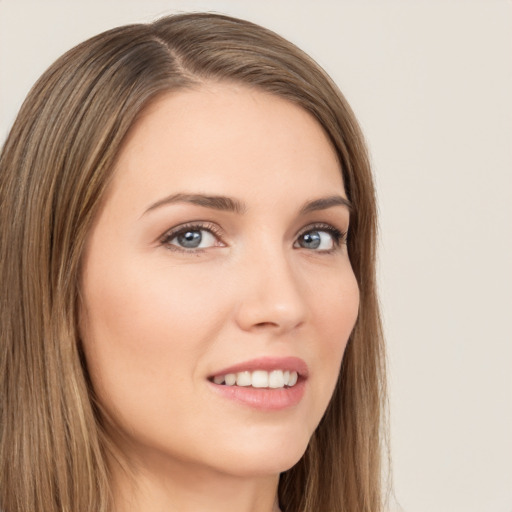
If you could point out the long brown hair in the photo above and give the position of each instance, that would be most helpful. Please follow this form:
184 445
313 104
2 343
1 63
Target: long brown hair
54 169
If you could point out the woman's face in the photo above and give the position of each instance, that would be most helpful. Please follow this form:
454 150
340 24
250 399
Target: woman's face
219 255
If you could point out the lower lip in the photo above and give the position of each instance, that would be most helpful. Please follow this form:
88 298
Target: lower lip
264 399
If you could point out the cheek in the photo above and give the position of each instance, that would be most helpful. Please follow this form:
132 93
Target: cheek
335 311
143 307
335 306
144 330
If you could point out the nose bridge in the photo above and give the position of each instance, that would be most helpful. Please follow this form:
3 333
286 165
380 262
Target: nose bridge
272 295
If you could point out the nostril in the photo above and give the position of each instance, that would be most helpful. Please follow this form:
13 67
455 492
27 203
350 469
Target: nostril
266 324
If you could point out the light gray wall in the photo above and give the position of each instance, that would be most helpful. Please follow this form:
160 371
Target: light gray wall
431 83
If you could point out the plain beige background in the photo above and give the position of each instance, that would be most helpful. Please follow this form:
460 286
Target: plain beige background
431 82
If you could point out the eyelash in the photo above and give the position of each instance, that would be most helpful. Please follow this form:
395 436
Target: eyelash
173 233
339 237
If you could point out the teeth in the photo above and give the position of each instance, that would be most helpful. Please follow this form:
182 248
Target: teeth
230 379
276 379
243 379
259 379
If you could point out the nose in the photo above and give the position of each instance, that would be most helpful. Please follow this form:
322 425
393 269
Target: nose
271 295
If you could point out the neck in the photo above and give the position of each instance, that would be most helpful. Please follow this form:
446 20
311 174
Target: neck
185 487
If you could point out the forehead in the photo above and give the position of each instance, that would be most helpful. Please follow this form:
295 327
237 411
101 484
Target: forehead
228 139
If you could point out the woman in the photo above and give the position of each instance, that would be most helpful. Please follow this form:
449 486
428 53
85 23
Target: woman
187 321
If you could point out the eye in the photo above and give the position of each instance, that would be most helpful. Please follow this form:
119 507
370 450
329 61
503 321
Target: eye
324 238
191 237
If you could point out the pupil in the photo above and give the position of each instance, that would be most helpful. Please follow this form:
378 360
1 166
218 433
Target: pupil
311 240
190 239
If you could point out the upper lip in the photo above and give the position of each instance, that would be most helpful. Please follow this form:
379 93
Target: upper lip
292 364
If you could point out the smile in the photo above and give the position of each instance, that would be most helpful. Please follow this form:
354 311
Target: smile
267 383
259 379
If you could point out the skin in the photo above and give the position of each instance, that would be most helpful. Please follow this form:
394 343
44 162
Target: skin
157 319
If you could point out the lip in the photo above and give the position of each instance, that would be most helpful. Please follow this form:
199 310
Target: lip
264 399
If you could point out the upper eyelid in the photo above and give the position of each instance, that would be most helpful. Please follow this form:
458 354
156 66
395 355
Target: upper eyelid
321 226
318 225
192 226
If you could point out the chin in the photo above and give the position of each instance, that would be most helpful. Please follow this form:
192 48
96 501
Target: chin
263 455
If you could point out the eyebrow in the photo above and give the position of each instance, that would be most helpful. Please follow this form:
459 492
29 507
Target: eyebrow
324 203
222 203
229 204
